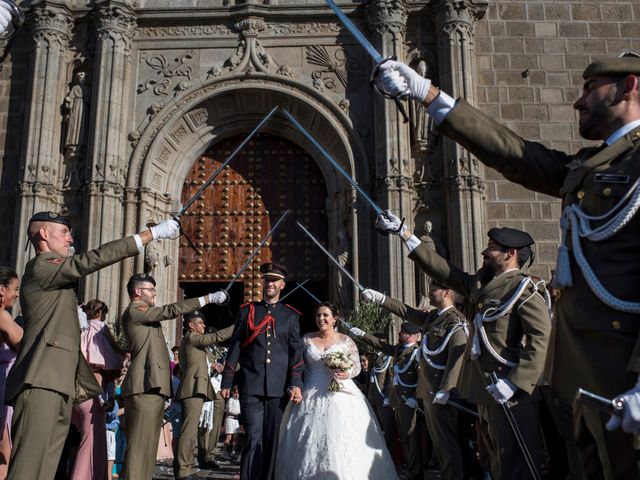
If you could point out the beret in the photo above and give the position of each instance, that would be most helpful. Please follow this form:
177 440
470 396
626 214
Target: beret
195 314
510 237
50 217
142 277
410 328
435 284
273 270
628 63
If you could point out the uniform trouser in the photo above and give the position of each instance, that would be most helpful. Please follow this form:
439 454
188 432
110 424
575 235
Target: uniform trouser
411 431
143 420
185 458
441 424
39 429
261 418
208 439
604 454
506 457
387 421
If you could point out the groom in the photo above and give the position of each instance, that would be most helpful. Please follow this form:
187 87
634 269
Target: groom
266 343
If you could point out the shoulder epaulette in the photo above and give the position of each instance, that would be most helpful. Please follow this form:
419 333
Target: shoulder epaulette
292 308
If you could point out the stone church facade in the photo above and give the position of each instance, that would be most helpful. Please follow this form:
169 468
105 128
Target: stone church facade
116 111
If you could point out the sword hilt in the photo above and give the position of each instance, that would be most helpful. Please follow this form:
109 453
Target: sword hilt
398 99
394 231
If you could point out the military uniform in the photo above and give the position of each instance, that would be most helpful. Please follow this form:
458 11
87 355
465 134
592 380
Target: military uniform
410 425
444 333
266 344
195 388
148 382
377 392
596 346
503 352
50 372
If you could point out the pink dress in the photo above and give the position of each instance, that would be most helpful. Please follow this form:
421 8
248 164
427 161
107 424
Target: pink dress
96 348
7 358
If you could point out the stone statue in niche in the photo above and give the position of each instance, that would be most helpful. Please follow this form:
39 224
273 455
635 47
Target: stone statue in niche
76 106
342 284
432 241
421 123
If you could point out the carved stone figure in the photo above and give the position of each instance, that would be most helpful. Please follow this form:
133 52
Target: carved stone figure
433 242
421 123
76 105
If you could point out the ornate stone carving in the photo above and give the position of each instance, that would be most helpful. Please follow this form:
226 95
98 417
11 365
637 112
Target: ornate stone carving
116 21
303 28
336 64
183 31
51 24
165 73
458 16
76 107
388 16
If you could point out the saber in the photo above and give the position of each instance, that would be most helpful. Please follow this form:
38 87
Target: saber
331 160
457 406
309 293
373 53
299 285
326 252
417 408
614 407
255 252
517 433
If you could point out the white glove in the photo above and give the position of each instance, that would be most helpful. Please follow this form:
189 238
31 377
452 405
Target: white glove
356 332
502 390
411 402
373 296
441 397
630 419
5 17
218 297
387 223
397 78
166 229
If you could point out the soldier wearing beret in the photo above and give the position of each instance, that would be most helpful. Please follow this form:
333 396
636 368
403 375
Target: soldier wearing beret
409 424
148 381
267 347
50 373
509 335
597 346
444 338
195 387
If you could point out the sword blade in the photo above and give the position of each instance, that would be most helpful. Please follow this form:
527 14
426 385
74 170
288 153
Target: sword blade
255 252
233 155
331 160
309 293
326 252
614 407
299 285
355 31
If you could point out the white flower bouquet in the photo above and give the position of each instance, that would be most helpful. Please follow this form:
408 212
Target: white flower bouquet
340 361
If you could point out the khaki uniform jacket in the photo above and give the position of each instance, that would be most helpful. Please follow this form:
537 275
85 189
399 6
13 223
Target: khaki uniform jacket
436 327
521 337
596 347
400 356
193 362
50 355
149 371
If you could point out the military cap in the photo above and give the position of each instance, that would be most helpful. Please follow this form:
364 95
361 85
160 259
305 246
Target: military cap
195 314
52 217
410 328
435 284
510 237
142 277
627 63
273 270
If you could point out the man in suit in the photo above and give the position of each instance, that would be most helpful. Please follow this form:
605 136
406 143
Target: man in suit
409 424
195 387
599 305
50 372
267 346
509 337
148 381
444 338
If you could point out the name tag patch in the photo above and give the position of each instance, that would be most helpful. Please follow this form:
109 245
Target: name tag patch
611 178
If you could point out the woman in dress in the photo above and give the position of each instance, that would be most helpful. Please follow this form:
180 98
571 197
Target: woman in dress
331 435
10 336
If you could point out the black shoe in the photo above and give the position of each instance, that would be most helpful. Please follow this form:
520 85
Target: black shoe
211 465
188 477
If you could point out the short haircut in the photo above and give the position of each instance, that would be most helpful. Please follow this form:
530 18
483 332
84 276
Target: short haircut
135 282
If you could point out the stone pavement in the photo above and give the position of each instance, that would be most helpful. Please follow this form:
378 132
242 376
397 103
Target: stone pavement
164 471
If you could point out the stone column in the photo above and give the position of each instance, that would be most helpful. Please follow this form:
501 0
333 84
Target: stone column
107 151
455 21
393 183
41 169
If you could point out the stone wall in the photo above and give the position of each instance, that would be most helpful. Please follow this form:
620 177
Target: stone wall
530 60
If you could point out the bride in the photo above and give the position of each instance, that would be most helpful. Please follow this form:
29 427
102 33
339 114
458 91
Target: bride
331 435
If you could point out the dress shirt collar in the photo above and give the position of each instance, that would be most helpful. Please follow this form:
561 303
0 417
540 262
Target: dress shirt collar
622 131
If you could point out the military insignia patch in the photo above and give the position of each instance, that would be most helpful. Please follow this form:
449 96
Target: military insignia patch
55 261
142 308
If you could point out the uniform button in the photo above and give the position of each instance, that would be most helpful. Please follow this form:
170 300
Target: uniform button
606 191
580 194
268 360
268 352
616 324
479 304
268 343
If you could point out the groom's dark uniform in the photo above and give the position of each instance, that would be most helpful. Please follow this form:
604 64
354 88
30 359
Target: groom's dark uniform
266 343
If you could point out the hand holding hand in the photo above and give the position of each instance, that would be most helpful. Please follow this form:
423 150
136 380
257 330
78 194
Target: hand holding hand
167 229
220 297
295 395
396 79
441 397
373 296
387 223
502 390
226 393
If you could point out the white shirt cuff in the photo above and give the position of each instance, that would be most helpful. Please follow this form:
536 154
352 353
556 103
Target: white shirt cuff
440 107
412 243
203 301
139 244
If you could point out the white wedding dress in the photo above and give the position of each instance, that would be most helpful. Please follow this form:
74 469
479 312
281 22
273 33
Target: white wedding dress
331 435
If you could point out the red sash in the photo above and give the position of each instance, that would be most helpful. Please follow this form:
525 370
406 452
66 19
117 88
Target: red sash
254 330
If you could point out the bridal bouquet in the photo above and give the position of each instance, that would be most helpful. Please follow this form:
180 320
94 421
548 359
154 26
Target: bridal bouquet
340 361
